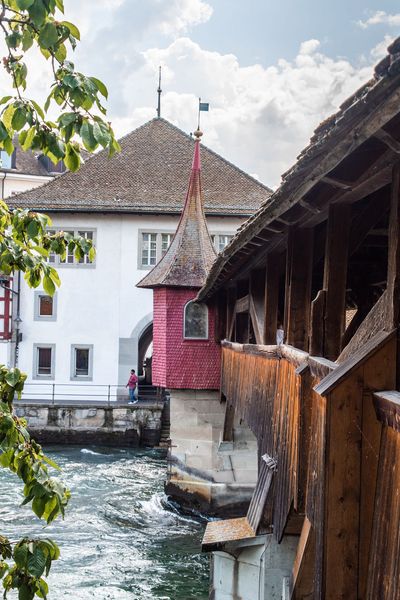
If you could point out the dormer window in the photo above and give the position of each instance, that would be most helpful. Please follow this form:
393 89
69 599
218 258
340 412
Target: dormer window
195 321
50 166
5 160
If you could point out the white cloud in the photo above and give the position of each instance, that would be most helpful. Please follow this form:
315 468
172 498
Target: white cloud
260 118
380 17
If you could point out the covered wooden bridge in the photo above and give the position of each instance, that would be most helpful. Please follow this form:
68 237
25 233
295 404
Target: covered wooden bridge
320 260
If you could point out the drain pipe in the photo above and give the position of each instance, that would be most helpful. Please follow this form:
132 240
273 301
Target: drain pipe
18 320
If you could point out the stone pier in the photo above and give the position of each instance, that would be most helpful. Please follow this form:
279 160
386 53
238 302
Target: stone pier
207 475
136 425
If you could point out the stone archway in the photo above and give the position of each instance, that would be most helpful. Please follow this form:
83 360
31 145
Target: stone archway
129 348
145 340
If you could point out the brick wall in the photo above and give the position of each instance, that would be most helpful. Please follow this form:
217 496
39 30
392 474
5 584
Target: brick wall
180 363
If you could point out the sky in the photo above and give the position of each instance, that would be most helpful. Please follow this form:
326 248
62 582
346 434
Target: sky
271 71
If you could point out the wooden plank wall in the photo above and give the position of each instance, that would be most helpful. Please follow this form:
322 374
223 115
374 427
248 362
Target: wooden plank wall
248 382
286 422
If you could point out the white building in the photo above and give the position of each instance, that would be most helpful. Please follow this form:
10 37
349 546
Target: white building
99 325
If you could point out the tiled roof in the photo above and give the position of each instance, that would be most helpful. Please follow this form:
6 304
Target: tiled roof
26 163
148 175
191 253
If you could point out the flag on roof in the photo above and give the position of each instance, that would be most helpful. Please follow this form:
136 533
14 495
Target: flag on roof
204 106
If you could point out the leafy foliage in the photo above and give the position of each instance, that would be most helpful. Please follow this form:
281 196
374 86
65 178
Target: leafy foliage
23 456
34 23
25 245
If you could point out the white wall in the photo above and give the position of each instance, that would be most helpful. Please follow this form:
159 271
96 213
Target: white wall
11 183
100 304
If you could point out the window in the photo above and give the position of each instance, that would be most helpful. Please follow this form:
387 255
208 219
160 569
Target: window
196 321
5 160
81 362
149 249
45 308
43 361
220 240
152 247
70 259
166 239
88 235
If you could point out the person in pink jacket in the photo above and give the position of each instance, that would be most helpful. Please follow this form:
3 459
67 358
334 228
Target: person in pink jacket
132 384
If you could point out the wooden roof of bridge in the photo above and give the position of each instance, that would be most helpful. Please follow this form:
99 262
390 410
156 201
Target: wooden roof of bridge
350 156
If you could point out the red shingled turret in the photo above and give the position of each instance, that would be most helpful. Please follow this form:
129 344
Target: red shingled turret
185 355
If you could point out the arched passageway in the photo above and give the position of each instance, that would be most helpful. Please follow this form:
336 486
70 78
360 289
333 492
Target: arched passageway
145 352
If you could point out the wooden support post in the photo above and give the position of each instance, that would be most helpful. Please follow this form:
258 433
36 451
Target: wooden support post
298 282
271 298
256 304
230 313
317 324
393 277
228 422
335 277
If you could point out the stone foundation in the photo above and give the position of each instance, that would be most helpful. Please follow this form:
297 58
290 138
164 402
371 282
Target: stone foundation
78 424
207 475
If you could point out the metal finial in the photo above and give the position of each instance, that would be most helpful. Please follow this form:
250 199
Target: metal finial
197 134
159 90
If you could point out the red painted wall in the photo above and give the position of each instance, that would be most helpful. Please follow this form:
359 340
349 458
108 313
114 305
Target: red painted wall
180 363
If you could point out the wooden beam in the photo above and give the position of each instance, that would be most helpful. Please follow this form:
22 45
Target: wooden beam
336 183
272 275
302 580
389 140
317 324
335 278
242 304
257 291
230 313
393 276
298 296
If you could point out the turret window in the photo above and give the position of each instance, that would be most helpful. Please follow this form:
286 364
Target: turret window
195 321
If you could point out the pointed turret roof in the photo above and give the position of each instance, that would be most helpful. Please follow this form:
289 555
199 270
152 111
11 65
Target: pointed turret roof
191 253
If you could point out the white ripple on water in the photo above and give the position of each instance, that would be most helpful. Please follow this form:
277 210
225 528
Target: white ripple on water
119 540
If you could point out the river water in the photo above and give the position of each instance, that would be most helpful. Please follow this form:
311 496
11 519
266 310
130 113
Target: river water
120 539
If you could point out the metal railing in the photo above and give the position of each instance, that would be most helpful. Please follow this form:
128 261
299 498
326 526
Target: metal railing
74 393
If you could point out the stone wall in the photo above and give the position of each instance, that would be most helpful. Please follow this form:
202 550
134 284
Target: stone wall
135 425
207 475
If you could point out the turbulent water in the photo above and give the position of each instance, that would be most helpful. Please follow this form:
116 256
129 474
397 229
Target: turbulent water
120 539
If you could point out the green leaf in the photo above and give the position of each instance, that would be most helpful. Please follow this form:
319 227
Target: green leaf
72 160
5 99
38 109
38 506
37 562
51 462
19 119
8 115
33 229
89 141
43 589
92 254
37 12
20 554
25 592
27 40
73 29
13 376
48 36
61 53
48 285
24 4
27 143
100 86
